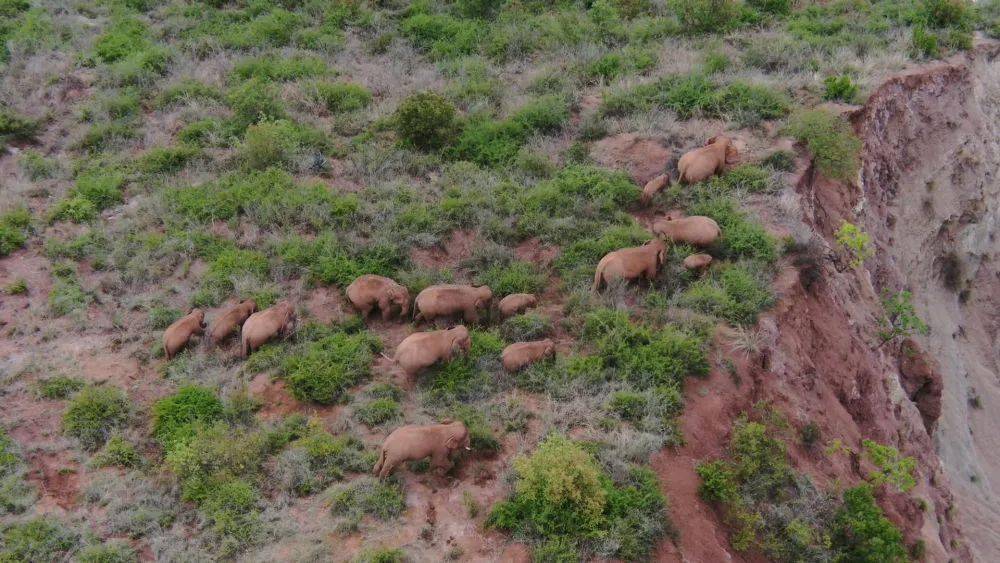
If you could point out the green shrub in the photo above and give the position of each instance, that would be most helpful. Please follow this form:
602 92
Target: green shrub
382 555
426 120
327 458
270 144
777 7
748 104
745 177
16 127
339 97
58 387
279 69
830 139
524 328
946 13
863 533
856 242
925 43
546 114
441 35
95 190
37 167
718 482
125 37
324 370
481 436
216 454
16 287
166 160
514 277
488 142
14 227
706 16
254 101
117 452
470 376
162 317
782 161
327 261
203 132
231 509
839 88
175 417
734 293
367 496
39 539
186 90
15 495
741 237
226 267
114 551
94 413
67 295
378 411
892 468
901 319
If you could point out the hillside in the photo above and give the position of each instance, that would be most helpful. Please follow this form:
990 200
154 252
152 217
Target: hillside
823 391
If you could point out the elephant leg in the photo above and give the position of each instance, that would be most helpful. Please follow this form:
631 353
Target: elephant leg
471 315
440 460
387 467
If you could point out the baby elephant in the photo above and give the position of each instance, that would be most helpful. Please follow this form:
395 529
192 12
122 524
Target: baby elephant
421 350
273 322
703 163
447 300
370 291
516 303
522 354
653 187
631 263
696 230
412 443
697 261
177 335
227 323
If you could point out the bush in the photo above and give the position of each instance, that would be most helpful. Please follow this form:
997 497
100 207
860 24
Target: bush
734 293
830 139
94 413
14 226
443 36
95 190
317 458
892 468
231 509
114 551
514 277
383 555
524 328
856 242
324 370
166 160
378 411
546 114
214 455
776 7
39 539
426 120
339 97
470 376
118 453
863 533
16 127
946 13
706 16
273 68
67 295
270 143
481 436
367 496
741 237
782 161
58 387
839 88
37 167
175 417
254 101
327 261
15 495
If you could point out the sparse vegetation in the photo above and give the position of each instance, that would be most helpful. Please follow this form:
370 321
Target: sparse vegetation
94 413
830 140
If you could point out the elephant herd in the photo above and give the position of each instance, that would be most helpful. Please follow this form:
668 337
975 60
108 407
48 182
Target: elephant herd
422 350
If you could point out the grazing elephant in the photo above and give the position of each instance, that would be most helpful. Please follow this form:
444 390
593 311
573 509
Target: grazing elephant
273 322
226 324
446 300
516 303
697 261
177 335
412 443
522 354
421 350
654 187
370 291
697 230
631 263
702 163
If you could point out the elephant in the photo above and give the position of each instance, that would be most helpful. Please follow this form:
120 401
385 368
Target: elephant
177 335
630 263
421 350
653 187
522 354
447 300
697 230
697 261
516 303
276 321
370 291
413 442
226 324
702 163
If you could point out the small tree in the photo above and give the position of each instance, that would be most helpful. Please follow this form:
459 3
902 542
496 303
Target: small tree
901 318
856 242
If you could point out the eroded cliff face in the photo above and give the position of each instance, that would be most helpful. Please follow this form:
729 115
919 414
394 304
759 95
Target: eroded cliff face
929 194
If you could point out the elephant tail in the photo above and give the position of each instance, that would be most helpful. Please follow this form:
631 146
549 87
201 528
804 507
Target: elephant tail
245 346
598 278
379 463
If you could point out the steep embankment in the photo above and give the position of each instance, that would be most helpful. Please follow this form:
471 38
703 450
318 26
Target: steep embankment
930 198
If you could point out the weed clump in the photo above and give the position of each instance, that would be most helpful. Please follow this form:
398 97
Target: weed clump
14 228
175 417
325 369
366 496
426 120
94 414
339 97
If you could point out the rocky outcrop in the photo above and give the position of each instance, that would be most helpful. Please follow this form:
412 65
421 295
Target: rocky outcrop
921 379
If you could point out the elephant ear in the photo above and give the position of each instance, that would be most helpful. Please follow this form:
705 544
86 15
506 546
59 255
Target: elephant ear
452 442
732 155
712 140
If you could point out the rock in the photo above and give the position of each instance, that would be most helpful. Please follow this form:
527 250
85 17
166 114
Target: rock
922 382
642 157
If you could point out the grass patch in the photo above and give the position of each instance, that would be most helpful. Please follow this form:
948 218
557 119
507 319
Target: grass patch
176 417
339 97
14 229
38 539
94 414
366 496
830 139
58 387
736 293
323 370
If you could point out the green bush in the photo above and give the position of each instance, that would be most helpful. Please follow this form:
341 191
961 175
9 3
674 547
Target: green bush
216 454
524 328
14 227
325 369
117 452
481 436
67 295
188 89
175 417
37 167
776 7
733 293
470 376
253 101
442 35
166 160
745 177
58 387
514 277
114 551
839 88
339 97
231 509
367 496
162 317
279 69
16 287
830 139
226 267
946 13
741 236
564 499
892 468
270 144
706 16
378 411
327 458
383 555
327 261
782 161
426 120
39 539
546 114
718 482
863 533
94 413
15 495
488 142
95 190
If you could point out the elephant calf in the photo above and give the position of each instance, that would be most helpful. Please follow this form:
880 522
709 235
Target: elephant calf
697 230
421 350
177 335
226 324
522 354
702 163
516 303
447 300
370 291
654 187
697 261
263 326
631 263
412 443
